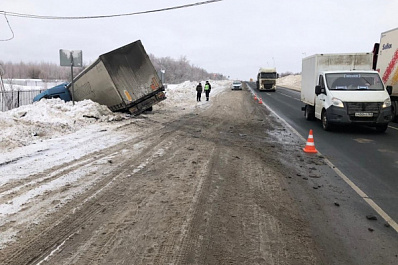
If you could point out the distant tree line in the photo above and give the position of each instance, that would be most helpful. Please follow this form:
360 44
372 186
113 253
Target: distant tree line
45 71
176 71
288 73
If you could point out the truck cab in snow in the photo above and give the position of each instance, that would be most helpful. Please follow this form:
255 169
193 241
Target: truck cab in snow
124 80
60 91
343 89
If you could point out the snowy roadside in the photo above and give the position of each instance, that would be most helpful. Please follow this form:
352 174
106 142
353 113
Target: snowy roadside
52 118
51 133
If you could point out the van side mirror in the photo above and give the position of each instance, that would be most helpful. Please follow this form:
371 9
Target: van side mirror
318 90
389 89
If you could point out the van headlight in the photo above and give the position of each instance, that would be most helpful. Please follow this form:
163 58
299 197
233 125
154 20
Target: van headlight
387 103
337 103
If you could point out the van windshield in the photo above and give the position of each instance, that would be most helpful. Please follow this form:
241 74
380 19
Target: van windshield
354 81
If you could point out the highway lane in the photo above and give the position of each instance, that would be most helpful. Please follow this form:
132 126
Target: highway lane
368 158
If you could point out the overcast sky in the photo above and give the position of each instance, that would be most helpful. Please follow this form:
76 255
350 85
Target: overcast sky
231 37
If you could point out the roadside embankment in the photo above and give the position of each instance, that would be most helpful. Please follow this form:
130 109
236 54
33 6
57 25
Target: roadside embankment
290 81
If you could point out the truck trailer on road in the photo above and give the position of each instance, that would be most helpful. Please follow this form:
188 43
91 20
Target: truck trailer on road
123 80
386 63
343 89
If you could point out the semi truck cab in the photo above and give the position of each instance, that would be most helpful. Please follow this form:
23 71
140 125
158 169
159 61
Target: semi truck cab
60 91
266 79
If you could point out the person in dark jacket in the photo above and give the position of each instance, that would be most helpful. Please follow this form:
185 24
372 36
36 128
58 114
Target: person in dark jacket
199 90
207 90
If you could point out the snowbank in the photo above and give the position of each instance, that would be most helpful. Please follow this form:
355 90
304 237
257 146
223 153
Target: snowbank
48 118
290 81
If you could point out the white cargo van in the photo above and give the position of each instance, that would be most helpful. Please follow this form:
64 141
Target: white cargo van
343 89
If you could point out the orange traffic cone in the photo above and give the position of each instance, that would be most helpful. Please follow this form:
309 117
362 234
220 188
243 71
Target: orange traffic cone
310 145
260 101
255 97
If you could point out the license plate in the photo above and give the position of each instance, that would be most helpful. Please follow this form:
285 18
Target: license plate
363 114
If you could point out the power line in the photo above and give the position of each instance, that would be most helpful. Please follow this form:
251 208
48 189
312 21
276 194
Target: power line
8 23
13 14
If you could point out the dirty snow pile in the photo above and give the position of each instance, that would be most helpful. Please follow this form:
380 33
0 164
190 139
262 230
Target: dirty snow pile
49 118
290 81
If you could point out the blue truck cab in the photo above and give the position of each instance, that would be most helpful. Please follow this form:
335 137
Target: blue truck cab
60 91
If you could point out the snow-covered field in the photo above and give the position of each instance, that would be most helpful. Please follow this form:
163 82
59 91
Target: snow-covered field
29 84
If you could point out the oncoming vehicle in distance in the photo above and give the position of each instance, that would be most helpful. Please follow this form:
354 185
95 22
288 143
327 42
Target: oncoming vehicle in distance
266 79
236 85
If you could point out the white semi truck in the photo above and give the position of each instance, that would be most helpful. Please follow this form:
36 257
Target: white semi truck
266 79
386 63
343 89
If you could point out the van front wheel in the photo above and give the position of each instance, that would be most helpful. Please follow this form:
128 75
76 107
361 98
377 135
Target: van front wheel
325 122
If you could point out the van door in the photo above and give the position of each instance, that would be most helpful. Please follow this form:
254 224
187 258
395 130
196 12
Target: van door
320 99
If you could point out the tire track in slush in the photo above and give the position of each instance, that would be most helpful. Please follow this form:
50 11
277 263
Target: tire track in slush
24 253
93 209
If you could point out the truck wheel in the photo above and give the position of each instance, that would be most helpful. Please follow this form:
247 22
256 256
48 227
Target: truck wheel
309 113
325 122
381 128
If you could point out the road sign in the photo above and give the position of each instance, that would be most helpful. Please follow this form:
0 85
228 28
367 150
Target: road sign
71 58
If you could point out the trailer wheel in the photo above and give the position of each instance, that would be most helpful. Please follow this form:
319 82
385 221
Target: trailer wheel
325 122
309 113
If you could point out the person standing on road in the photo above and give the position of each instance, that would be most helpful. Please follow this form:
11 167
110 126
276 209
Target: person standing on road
199 90
207 90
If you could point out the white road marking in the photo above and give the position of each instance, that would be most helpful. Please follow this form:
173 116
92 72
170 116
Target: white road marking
394 128
286 95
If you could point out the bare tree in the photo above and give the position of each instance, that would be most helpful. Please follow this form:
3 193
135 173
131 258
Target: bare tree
34 72
181 70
